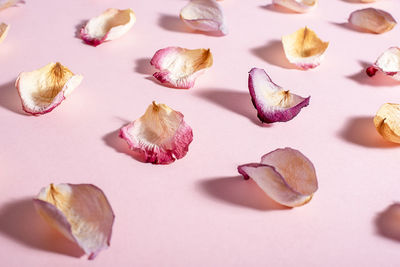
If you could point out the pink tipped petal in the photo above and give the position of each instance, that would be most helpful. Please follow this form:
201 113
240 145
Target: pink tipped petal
44 89
180 67
300 6
160 135
388 63
9 3
304 49
110 25
372 20
4 28
286 175
81 212
204 15
272 102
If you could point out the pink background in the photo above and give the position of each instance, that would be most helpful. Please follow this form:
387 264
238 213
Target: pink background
197 211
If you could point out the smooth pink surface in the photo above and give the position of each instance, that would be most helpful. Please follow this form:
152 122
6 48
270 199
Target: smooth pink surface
198 211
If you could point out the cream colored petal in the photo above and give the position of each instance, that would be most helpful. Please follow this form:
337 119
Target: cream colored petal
300 6
9 3
4 28
304 49
387 122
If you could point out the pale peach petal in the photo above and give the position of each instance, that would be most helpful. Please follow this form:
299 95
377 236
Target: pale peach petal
286 175
9 3
373 20
44 89
300 6
179 67
387 122
304 49
160 135
81 212
204 15
4 28
110 25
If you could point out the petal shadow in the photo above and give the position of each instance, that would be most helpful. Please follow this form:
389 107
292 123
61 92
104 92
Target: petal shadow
379 79
239 192
238 102
142 66
9 98
361 131
78 29
175 24
20 221
278 9
387 222
273 54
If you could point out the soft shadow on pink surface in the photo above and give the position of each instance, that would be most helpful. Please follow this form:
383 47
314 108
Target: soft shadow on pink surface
113 140
361 131
239 192
142 66
349 26
78 29
238 102
20 221
273 54
379 79
175 24
278 8
9 98
387 222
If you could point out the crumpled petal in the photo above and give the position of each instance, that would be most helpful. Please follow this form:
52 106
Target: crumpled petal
300 6
304 49
387 122
285 175
204 15
9 3
373 20
110 25
160 135
44 89
81 212
388 63
3 31
272 102
180 67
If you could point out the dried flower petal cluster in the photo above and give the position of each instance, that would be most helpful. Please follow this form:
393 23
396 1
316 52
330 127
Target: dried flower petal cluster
81 212
179 67
300 6
204 15
160 135
110 25
272 102
387 122
372 20
304 49
285 175
44 89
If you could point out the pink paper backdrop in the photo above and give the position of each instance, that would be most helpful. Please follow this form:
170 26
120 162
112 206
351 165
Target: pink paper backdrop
197 211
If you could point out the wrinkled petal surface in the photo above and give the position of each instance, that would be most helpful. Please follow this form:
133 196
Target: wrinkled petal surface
9 3
160 135
179 67
372 20
272 102
388 63
300 6
81 212
110 25
44 89
3 31
286 175
304 49
204 15
387 122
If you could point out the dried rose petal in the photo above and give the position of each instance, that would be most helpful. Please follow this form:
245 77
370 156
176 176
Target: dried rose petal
9 3
180 67
110 25
301 6
204 15
304 49
286 175
81 212
272 102
373 20
160 135
3 31
388 62
387 122
44 89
